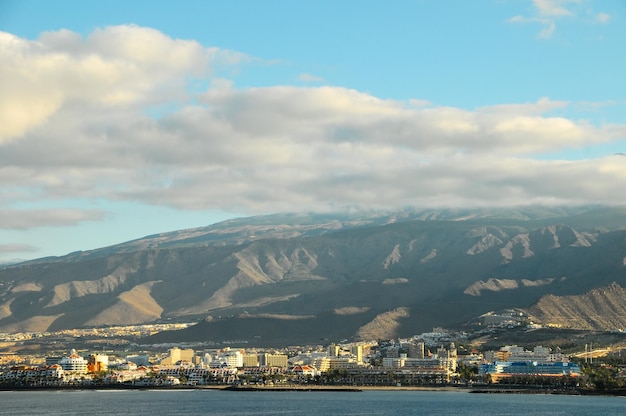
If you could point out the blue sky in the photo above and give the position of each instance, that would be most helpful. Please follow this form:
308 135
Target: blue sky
120 119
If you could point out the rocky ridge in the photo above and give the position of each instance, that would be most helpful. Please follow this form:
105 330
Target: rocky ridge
401 273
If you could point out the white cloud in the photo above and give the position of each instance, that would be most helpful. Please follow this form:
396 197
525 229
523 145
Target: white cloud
415 102
22 219
310 78
266 149
548 25
547 31
603 18
115 66
548 12
17 248
554 8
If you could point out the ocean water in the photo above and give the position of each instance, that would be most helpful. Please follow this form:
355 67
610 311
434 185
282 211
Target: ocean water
222 403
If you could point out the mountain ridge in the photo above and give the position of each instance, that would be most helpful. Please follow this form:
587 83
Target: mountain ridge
289 225
438 270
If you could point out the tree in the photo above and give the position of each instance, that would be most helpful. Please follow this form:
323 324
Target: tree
466 372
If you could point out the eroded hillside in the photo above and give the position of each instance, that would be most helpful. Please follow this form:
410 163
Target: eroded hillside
429 271
599 309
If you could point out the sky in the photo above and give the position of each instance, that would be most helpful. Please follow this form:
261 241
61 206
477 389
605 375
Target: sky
120 119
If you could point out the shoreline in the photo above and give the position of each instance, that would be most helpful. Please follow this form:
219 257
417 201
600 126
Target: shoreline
241 388
327 388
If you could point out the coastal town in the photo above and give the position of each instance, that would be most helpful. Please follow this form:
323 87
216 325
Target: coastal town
428 359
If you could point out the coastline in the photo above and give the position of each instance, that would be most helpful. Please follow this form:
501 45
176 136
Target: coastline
326 388
294 388
241 388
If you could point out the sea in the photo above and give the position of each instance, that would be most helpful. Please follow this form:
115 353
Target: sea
248 403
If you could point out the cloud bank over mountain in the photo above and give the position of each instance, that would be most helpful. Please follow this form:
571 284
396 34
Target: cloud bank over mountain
129 113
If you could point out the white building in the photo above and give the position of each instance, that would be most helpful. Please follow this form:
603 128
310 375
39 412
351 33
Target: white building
54 371
228 358
74 363
138 359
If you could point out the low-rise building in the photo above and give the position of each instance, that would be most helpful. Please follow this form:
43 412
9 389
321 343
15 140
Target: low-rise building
506 369
74 363
304 370
273 360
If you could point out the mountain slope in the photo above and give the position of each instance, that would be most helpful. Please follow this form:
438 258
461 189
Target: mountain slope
599 309
433 271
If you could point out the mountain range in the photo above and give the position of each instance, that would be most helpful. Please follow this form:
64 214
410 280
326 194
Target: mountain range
307 278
